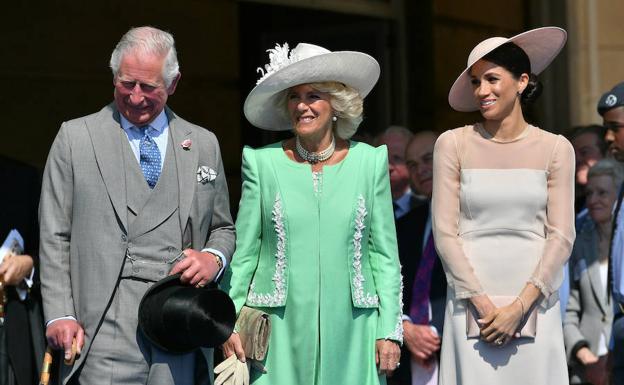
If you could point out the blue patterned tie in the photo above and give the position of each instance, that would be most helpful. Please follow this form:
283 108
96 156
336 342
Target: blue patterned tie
149 158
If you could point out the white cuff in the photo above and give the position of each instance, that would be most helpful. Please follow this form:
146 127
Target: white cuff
23 292
60 318
220 255
405 317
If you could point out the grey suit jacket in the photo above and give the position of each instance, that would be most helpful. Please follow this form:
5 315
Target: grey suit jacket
83 212
588 314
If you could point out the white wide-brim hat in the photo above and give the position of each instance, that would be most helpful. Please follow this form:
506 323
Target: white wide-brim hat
306 63
541 46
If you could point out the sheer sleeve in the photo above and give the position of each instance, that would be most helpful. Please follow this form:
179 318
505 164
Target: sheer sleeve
560 232
445 218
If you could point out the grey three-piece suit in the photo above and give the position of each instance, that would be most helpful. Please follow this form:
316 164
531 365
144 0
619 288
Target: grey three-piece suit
106 237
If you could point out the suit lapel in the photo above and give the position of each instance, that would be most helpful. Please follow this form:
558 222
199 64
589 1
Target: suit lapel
186 162
105 131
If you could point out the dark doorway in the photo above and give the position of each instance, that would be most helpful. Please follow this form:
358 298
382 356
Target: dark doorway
262 26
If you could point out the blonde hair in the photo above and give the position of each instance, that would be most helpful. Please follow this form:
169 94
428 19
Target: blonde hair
346 102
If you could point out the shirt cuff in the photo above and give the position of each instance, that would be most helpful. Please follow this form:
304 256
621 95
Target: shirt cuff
220 255
405 317
60 318
22 291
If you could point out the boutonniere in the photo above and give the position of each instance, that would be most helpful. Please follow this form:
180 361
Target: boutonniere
186 144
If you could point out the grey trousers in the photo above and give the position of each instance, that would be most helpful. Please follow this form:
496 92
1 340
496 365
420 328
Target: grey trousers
120 353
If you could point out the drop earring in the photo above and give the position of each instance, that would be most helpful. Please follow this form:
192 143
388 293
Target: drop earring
334 118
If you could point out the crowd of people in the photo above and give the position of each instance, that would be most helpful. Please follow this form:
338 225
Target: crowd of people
506 266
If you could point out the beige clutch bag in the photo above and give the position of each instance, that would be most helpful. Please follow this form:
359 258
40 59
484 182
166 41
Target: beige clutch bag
472 327
254 328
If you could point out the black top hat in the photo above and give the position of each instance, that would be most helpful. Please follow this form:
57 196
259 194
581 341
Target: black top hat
179 318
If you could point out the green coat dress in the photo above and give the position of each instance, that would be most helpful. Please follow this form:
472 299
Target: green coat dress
318 253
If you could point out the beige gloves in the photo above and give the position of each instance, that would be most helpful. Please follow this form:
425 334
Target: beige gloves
232 372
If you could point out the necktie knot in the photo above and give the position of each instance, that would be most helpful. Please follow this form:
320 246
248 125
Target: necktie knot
145 131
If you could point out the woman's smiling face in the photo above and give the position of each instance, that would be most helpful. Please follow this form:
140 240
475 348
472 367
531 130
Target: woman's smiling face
310 111
495 89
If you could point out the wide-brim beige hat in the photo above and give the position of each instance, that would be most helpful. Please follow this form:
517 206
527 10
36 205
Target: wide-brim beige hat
541 46
306 63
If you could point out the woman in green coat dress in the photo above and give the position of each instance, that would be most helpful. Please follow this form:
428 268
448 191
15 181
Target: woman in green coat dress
316 244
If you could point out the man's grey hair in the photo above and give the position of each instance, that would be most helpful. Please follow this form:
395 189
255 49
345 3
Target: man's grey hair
405 133
151 41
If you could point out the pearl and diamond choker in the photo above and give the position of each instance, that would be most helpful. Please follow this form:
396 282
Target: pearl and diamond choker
315 157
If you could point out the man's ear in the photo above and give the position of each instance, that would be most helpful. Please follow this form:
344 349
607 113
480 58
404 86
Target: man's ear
171 89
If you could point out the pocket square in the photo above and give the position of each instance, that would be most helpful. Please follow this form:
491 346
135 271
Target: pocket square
205 174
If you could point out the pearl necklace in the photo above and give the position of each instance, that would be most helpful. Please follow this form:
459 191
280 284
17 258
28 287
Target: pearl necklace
315 157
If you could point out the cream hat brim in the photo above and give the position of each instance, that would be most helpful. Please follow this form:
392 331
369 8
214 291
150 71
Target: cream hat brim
541 46
355 69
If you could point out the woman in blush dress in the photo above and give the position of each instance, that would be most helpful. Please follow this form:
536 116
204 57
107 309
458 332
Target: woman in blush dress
503 220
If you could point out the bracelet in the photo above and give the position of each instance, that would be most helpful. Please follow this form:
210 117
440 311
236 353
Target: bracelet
521 304
219 261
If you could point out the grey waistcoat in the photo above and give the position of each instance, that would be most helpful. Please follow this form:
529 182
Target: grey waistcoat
154 234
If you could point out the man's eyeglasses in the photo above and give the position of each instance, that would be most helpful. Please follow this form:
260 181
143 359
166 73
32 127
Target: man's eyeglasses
613 126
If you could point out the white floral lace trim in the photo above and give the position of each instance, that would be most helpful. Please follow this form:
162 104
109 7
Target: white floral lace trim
278 296
317 182
278 59
397 333
359 297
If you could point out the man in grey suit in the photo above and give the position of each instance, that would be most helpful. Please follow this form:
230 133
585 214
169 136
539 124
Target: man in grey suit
130 194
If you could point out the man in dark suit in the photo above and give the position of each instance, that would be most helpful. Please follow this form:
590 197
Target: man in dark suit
396 138
130 194
21 329
424 282
611 108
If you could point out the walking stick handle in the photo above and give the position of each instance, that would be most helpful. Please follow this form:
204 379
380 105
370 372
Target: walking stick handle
46 368
44 379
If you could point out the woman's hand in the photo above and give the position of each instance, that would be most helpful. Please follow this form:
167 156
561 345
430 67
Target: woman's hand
501 325
387 356
483 304
234 346
586 357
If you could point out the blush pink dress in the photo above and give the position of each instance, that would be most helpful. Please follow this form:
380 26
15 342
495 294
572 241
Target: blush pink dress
503 215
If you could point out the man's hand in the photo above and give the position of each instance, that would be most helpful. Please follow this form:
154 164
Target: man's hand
198 268
421 341
586 357
15 268
60 335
